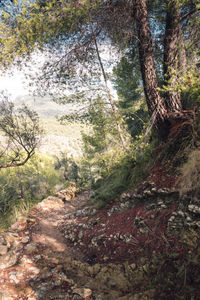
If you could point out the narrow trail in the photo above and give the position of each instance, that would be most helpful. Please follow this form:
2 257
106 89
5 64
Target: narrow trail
65 249
34 253
46 233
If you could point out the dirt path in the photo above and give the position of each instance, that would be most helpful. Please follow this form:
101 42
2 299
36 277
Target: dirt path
66 250
34 252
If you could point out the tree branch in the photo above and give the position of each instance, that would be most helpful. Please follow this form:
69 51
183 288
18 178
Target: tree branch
188 14
12 164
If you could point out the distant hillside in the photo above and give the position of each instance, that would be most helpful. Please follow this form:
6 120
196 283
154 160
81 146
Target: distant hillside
58 138
44 106
62 138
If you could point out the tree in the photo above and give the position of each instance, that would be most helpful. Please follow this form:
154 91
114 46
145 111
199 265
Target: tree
20 134
66 24
162 108
131 102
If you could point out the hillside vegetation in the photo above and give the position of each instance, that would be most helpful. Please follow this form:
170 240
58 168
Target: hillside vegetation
108 206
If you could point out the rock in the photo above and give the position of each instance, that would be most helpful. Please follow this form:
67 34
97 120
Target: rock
3 249
84 293
80 235
146 295
31 248
19 226
25 240
45 273
11 237
194 208
77 297
127 297
99 297
13 278
8 260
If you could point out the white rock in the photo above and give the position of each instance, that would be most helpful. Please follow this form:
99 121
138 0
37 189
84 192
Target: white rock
84 293
3 249
31 248
25 239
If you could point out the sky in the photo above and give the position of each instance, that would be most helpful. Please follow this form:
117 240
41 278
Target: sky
13 84
17 85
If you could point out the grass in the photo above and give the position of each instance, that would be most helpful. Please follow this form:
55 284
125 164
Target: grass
52 126
126 175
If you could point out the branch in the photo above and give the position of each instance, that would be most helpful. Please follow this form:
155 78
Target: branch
29 154
189 14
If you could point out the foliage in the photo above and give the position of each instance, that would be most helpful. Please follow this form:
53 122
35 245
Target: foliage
126 171
190 179
69 29
176 275
127 80
190 88
37 24
68 168
20 133
22 187
99 144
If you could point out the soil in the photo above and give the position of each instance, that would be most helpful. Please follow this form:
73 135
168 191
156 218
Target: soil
66 249
42 252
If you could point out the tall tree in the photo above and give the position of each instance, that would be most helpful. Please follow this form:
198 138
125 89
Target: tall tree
174 55
154 100
66 24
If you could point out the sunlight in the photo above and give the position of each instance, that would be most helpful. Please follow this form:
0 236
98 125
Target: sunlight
13 84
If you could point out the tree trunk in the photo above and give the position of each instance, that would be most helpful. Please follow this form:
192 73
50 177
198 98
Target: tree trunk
146 56
174 56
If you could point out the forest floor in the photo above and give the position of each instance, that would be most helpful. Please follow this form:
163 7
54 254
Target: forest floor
66 249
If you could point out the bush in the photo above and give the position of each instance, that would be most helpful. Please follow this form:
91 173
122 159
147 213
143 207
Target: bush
26 185
190 180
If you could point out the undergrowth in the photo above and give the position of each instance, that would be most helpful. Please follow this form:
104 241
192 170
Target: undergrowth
190 179
130 170
25 186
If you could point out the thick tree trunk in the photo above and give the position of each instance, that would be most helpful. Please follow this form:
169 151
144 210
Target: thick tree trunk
174 56
146 56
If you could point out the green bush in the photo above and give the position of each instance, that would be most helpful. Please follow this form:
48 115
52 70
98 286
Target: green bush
190 180
26 185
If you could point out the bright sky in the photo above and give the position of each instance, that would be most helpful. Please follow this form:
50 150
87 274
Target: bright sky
13 84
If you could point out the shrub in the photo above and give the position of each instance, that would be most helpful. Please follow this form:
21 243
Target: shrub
190 180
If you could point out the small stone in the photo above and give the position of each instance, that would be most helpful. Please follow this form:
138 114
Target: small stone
18 226
84 293
194 208
25 239
8 260
14 279
133 266
37 257
35 270
59 267
181 213
80 235
3 249
31 248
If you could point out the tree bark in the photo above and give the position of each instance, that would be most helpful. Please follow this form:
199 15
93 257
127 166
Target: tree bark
174 56
146 56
